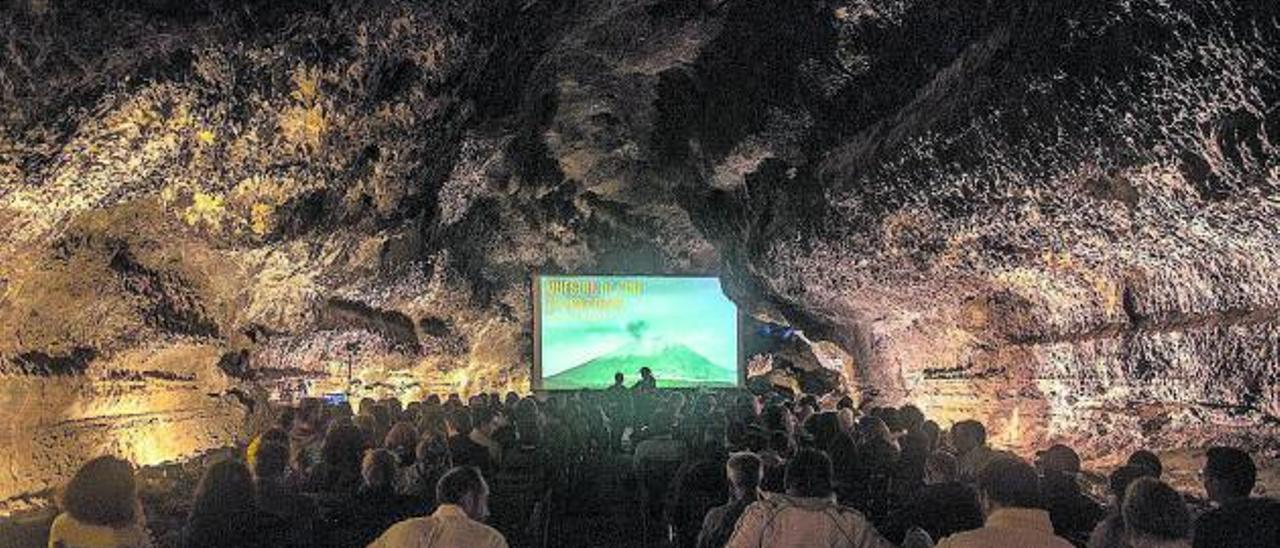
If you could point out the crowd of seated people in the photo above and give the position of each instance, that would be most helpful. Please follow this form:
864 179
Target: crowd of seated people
710 469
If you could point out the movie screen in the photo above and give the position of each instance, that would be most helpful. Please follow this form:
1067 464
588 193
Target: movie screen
589 327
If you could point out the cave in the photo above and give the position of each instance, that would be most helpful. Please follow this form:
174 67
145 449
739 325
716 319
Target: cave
1060 218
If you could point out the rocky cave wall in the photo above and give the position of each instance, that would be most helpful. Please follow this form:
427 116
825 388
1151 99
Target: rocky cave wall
1059 217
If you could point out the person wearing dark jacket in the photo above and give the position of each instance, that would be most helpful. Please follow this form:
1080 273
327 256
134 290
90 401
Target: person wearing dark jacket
1238 521
745 472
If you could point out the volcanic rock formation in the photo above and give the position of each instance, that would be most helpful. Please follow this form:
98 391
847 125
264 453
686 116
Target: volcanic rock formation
1059 217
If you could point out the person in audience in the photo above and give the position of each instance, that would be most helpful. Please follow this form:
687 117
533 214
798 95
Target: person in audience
225 511
402 442
1238 520
463 450
1110 532
943 507
306 438
275 496
1010 493
368 425
1155 516
970 440
1073 513
100 508
807 515
431 461
660 444
647 382
338 472
487 421
457 522
745 472
1148 460
697 487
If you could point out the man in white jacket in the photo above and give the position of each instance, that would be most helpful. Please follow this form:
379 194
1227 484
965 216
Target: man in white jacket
807 515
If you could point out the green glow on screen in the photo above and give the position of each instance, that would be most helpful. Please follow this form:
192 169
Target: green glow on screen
684 329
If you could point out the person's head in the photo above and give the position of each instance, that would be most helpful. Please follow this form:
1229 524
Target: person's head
845 403
1153 511
776 418
1148 460
808 474
225 490
271 462
102 492
1059 459
511 399
745 471
910 416
932 431
430 452
343 444
464 486
1008 483
1120 479
942 467
459 422
847 419
368 425
968 435
1229 474
402 437
872 429
378 469
646 373
487 419
618 378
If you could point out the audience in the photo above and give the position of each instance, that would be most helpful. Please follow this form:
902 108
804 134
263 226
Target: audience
1238 520
713 468
100 508
1010 493
463 496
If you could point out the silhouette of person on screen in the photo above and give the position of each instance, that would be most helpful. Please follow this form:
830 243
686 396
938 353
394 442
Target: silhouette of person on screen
618 383
646 383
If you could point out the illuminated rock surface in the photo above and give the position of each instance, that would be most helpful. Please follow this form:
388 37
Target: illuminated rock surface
1061 217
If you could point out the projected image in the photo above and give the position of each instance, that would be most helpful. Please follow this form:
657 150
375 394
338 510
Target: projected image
684 329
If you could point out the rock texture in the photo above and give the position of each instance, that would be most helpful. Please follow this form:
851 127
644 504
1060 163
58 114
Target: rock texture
1060 217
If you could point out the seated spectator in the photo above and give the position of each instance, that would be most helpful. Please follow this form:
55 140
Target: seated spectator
970 440
225 511
431 460
100 508
377 495
660 444
1238 521
1148 460
745 472
1010 493
1073 513
943 507
521 483
464 504
306 438
463 450
1110 532
277 498
807 515
402 442
774 458
338 472
697 488
486 422
1155 516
